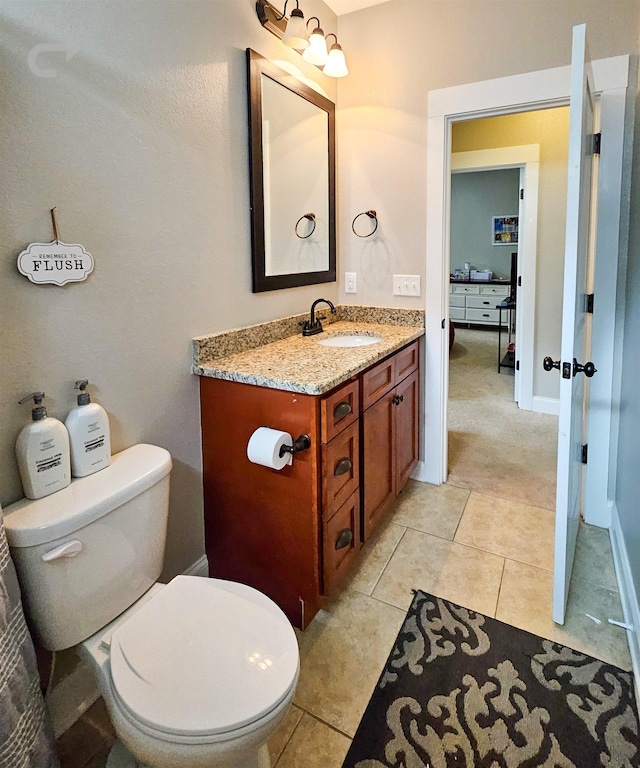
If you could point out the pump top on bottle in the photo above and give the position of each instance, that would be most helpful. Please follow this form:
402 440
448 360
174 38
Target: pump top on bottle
42 450
39 412
88 426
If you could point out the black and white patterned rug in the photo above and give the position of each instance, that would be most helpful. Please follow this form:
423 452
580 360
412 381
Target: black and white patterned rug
461 690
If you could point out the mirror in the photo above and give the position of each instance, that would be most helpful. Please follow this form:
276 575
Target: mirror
292 161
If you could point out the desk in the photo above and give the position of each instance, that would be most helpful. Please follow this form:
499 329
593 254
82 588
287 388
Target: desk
509 360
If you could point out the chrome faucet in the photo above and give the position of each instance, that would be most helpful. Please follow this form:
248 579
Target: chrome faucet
313 325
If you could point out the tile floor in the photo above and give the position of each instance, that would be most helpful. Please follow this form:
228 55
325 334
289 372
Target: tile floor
489 552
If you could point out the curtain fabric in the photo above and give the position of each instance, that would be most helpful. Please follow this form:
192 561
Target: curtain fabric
26 738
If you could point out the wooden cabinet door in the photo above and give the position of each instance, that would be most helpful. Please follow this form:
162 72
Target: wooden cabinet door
377 381
378 461
406 414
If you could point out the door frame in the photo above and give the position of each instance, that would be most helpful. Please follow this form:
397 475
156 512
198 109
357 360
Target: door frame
535 90
526 157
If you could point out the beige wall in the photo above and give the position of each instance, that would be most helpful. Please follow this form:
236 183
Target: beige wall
140 140
397 53
550 129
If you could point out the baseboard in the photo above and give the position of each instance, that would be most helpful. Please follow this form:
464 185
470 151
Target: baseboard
199 568
420 472
628 594
549 405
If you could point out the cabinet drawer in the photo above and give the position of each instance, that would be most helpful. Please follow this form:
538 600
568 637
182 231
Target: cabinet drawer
377 381
457 313
457 301
340 469
465 289
340 542
481 302
407 361
339 409
482 316
494 290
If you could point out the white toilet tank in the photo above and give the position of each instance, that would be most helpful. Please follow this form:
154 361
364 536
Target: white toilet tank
89 551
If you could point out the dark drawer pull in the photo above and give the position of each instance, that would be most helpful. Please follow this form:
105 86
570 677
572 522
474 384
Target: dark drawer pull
341 410
344 539
398 399
485 315
344 465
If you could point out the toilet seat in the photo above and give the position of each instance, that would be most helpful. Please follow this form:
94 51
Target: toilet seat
203 658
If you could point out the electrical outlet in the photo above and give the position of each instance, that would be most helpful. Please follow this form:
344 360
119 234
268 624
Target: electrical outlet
406 285
350 282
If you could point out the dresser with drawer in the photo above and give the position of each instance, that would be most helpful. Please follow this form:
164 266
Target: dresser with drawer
475 304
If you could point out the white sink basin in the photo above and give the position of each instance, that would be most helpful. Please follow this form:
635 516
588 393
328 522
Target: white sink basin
352 340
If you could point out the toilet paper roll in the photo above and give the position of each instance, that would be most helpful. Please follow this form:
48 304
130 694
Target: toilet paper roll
264 448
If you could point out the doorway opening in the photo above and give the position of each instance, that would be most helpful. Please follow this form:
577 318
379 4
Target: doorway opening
495 446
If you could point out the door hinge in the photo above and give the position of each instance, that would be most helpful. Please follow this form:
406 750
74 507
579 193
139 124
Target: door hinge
522 194
517 365
584 453
597 143
444 323
519 281
588 307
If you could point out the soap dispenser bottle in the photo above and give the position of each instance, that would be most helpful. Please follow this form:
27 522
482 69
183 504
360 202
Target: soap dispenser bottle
42 449
88 426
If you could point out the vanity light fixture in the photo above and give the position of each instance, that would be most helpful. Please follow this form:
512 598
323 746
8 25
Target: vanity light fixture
317 52
336 65
294 33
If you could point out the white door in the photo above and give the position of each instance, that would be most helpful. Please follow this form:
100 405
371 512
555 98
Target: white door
575 346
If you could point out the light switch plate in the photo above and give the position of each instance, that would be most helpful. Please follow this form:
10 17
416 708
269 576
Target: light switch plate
406 285
350 282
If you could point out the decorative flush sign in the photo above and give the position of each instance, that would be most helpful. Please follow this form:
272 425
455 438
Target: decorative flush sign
56 263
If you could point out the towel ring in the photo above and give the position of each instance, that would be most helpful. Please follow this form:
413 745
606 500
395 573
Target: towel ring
312 218
372 215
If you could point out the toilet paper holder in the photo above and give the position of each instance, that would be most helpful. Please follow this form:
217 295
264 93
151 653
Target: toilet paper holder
301 443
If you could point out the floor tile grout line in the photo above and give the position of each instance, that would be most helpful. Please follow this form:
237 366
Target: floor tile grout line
461 516
514 501
504 566
501 555
497 496
386 565
286 744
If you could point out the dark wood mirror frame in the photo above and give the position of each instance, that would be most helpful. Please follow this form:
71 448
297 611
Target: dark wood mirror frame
257 67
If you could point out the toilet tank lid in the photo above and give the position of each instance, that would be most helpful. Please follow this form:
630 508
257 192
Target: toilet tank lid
131 472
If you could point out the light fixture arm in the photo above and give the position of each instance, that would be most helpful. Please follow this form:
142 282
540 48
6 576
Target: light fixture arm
331 34
284 10
313 17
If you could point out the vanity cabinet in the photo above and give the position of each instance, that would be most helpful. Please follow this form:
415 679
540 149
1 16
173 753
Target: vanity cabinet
294 533
390 432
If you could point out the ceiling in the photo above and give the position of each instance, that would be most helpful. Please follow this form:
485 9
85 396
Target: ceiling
340 7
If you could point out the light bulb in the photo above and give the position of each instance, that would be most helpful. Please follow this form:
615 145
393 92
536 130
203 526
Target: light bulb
316 53
295 35
336 65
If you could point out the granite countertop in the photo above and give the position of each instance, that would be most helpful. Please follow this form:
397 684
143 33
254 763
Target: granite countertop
300 364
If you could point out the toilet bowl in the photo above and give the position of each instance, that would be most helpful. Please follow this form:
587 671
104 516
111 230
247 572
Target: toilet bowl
197 673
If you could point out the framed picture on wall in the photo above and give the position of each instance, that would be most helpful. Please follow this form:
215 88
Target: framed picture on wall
504 230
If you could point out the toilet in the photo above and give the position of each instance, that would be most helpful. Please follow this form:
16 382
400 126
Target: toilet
197 673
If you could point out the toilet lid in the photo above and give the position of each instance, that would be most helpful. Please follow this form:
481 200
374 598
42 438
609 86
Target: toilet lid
204 656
